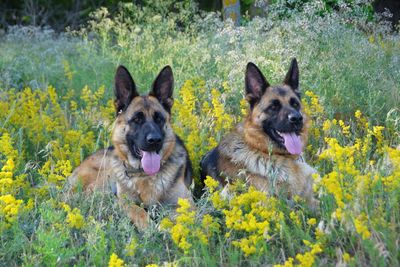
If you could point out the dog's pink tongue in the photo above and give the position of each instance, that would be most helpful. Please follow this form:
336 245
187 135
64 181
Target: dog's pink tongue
293 143
151 162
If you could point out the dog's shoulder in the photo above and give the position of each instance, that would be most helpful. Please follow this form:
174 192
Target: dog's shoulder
233 143
93 172
235 149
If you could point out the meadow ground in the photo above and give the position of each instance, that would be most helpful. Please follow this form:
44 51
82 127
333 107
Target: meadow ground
56 108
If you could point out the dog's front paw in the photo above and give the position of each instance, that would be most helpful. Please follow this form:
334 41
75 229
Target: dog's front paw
139 217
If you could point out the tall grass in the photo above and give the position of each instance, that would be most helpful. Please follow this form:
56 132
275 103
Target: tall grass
353 67
346 64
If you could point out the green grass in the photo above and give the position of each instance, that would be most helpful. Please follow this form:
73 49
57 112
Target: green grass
349 66
337 61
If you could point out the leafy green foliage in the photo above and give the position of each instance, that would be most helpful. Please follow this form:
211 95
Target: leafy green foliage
347 60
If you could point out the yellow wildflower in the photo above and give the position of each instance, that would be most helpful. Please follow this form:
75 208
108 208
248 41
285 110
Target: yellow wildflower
244 106
212 143
223 121
6 176
179 232
115 261
75 219
304 260
211 184
202 237
313 107
9 208
287 263
327 125
207 220
67 70
253 215
358 114
217 201
56 174
319 234
166 224
307 259
182 230
247 245
6 146
131 248
74 216
184 205
345 128
361 227
346 257
295 218
377 132
311 221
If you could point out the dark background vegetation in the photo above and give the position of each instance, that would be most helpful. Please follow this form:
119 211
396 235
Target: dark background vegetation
58 14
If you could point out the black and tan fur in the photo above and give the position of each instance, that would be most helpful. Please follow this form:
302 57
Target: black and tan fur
139 117
253 150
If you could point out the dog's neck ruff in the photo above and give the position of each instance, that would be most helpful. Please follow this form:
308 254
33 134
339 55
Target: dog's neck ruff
129 170
252 160
137 183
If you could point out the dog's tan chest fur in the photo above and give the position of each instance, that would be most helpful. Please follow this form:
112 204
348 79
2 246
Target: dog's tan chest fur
268 172
149 190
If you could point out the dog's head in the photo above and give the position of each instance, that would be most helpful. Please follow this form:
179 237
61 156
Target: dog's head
276 110
142 134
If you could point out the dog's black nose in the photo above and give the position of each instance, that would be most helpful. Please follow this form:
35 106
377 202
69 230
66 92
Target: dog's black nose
153 139
295 117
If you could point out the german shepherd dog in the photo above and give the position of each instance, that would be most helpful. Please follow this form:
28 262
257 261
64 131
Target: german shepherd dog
148 163
265 148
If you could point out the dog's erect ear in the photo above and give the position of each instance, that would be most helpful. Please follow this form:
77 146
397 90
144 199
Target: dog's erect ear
292 77
125 89
255 83
163 87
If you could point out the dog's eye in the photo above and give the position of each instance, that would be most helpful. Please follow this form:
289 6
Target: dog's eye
158 118
294 103
275 105
138 118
